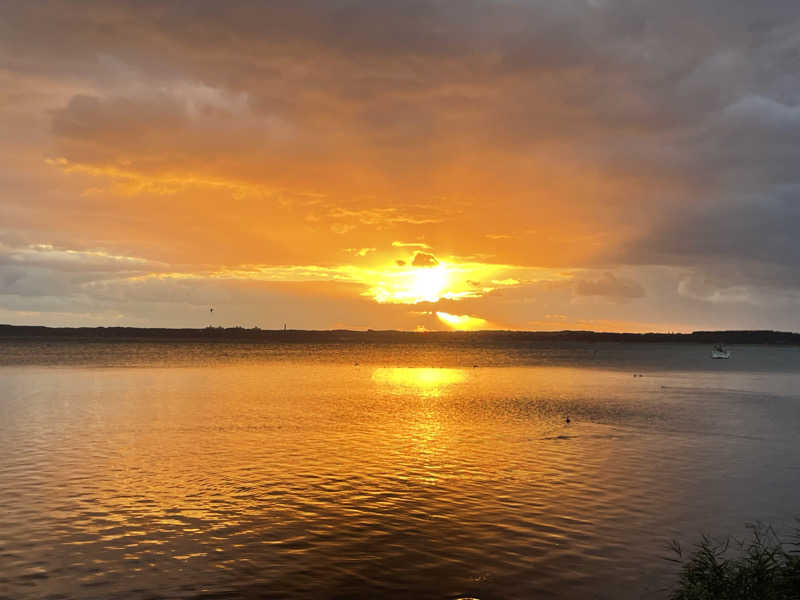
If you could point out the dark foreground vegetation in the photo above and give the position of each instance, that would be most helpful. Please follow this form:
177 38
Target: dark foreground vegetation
257 335
760 568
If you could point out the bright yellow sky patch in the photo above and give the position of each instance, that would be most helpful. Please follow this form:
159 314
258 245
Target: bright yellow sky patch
407 284
462 322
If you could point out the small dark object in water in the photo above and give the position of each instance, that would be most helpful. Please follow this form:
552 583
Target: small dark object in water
568 420
355 364
474 366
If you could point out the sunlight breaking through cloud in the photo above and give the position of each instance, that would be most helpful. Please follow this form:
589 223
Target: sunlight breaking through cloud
462 322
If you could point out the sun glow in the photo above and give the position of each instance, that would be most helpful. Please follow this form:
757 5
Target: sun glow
462 322
410 285
428 284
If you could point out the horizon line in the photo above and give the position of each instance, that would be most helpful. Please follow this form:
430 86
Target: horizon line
404 331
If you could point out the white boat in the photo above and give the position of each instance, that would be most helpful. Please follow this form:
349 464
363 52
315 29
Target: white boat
719 351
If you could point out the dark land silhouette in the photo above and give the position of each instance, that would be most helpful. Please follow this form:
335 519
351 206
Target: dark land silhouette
256 335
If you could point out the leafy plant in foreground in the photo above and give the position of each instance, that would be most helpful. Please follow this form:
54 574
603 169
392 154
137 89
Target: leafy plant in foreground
761 568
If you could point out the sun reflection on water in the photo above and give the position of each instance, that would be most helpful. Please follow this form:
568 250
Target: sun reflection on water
422 437
428 382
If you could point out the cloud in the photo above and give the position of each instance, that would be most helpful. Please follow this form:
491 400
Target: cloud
421 259
610 286
707 291
341 228
574 135
410 245
64 259
509 281
360 251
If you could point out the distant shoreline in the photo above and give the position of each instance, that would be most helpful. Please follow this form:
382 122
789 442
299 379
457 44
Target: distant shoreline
255 335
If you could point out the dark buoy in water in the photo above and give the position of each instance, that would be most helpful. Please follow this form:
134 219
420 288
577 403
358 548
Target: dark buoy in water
567 420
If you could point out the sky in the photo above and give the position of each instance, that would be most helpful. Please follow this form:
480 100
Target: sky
422 164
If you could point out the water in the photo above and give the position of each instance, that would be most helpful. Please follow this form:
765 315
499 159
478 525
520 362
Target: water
147 470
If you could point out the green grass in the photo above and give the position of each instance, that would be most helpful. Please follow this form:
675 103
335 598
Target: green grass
762 567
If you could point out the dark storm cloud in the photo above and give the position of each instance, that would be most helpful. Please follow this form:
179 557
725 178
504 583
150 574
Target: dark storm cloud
573 72
760 229
611 286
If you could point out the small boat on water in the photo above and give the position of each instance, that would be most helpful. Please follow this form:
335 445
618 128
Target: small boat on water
719 351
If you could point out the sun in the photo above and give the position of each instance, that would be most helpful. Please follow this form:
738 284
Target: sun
432 279
413 285
428 284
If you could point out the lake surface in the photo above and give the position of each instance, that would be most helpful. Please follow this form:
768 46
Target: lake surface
160 470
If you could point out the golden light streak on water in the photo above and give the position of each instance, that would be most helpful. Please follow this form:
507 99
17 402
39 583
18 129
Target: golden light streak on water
425 381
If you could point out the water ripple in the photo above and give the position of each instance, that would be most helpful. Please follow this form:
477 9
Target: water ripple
297 480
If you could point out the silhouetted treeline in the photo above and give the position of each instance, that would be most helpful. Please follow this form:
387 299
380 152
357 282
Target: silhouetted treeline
255 335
